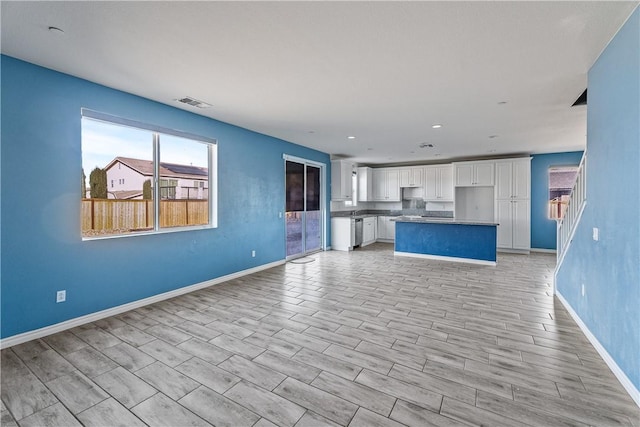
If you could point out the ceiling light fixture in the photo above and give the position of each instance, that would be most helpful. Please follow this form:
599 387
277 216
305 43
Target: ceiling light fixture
351 137
436 126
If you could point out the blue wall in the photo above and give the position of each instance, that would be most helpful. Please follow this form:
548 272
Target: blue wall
42 250
610 267
543 229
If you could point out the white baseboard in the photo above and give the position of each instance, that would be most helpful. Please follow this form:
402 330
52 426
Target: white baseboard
445 258
72 323
544 251
513 251
611 363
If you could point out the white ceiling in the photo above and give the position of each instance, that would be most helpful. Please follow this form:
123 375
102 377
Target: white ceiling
314 73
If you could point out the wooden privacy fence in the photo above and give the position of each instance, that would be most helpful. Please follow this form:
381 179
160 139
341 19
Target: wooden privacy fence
557 207
176 213
111 215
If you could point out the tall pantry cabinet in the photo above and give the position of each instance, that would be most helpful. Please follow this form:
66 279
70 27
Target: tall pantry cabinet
513 203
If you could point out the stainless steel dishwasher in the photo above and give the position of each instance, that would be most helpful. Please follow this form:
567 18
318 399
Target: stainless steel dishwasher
358 226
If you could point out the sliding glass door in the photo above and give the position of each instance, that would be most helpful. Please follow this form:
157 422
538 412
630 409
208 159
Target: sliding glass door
304 208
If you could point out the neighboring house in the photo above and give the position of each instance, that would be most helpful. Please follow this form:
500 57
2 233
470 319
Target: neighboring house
126 177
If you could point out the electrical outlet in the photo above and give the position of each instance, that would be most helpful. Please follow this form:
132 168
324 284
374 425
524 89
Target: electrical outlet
279 214
583 289
253 254
596 234
61 296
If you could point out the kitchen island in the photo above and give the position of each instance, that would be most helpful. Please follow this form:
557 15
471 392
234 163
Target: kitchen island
446 239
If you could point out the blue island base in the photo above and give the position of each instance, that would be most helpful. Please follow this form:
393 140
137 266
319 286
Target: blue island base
471 243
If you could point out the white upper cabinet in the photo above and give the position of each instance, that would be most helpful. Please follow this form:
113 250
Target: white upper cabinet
470 174
513 179
522 179
386 185
379 184
341 180
504 172
365 184
393 185
411 177
439 183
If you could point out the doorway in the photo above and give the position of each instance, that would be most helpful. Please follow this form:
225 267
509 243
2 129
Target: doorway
304 207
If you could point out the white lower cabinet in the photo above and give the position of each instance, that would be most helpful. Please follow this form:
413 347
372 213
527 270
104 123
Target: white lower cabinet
343 234
369 227
514 230
386 228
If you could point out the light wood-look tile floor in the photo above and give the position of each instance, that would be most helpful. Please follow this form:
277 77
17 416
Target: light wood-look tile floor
358 339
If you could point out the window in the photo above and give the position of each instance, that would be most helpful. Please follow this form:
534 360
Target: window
172 159
561 181
168 189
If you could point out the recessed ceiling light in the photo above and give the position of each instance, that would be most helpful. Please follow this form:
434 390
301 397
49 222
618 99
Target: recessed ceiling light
502 102
56 30
369 149
436 126
312 131
351 137
493 136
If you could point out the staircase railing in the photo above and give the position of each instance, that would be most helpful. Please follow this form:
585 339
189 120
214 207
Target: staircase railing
573 212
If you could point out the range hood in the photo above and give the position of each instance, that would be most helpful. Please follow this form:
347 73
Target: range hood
412 193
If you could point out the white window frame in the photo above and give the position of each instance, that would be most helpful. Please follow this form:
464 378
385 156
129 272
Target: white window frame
157 131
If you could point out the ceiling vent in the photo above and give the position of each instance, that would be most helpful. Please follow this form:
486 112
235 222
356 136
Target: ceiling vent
582 99
193 102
